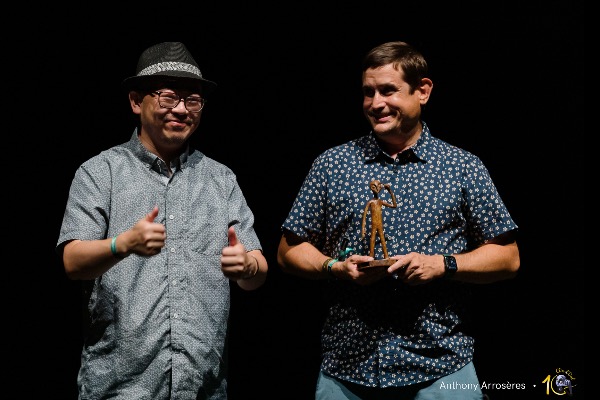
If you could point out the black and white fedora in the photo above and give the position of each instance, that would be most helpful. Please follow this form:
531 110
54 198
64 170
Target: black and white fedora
168 62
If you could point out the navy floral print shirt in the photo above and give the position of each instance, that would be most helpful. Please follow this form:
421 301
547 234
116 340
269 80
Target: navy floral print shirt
389 333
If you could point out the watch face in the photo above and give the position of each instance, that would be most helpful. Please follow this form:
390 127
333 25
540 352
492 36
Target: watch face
450 265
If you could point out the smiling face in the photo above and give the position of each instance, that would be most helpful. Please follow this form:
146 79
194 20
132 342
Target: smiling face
166 123
390 105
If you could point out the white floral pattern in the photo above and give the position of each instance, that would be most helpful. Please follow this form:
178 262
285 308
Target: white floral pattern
390 334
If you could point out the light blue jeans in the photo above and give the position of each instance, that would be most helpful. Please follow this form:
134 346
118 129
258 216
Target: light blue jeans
461 385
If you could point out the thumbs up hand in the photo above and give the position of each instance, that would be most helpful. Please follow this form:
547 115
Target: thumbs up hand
146 237
235 262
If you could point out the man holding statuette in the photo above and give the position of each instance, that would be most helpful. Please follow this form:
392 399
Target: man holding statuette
397 331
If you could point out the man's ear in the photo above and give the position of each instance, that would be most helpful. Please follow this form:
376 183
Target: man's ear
135 100
425 90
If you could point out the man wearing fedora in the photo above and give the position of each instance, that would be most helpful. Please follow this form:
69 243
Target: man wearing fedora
162 230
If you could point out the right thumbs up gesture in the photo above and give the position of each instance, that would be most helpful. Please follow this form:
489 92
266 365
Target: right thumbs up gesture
235 262
146 237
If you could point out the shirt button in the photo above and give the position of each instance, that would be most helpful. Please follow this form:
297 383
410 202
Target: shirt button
171 216
176 315
172 249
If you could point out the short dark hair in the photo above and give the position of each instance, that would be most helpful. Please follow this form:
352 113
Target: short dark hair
400 55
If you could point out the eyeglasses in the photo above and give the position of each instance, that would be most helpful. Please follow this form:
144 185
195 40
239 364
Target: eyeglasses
192 103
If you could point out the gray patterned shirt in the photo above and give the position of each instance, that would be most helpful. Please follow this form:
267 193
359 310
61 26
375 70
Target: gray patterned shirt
158 324
390 334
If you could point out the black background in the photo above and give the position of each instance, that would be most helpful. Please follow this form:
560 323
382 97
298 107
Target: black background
508 86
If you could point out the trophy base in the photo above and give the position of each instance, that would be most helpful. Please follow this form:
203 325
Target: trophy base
386 262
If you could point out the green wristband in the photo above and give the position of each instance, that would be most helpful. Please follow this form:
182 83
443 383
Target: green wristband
330 264
113 248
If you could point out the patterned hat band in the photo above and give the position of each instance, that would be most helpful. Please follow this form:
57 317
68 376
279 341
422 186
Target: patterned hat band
170 66
171 61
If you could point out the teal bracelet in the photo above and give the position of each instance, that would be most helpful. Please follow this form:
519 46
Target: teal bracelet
344 253
113 248
330 264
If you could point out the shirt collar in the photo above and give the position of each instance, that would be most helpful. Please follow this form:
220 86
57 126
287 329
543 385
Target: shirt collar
417 152
152 160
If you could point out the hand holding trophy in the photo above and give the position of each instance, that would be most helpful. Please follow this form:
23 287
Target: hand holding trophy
374 206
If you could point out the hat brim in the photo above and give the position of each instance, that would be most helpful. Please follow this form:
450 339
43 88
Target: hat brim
177 77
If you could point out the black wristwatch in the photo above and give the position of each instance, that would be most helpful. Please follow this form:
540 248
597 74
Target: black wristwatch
449 265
